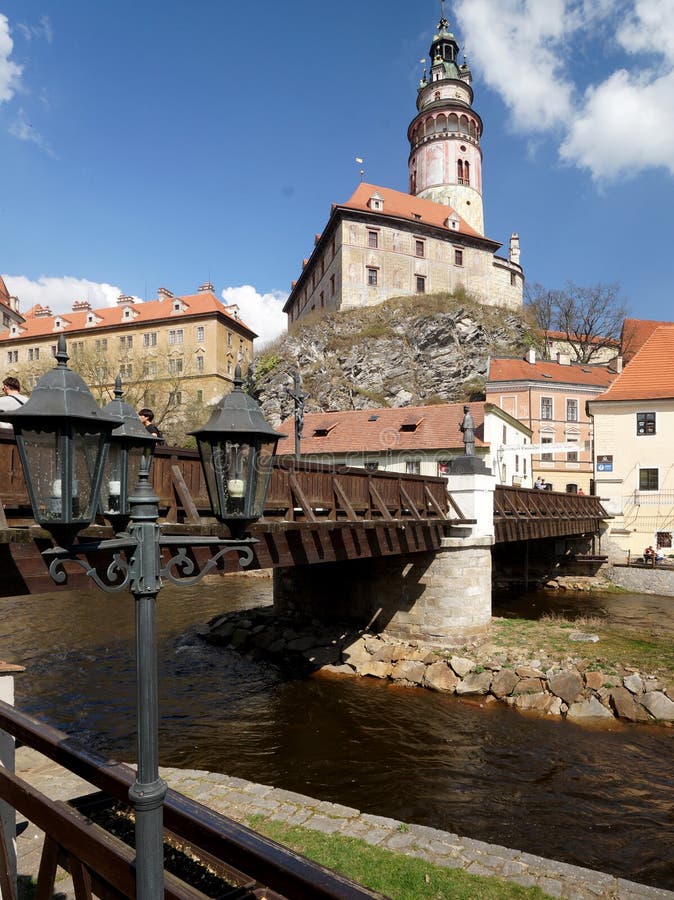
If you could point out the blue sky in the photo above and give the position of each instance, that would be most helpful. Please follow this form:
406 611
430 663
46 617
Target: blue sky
149 144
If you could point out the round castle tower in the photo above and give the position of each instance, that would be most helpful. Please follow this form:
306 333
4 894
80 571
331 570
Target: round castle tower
445 162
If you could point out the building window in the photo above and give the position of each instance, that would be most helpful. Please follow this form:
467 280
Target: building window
546 407
33 353
176 336
646 423
150 339
200 364
322 296
372 276
200 396
126 342
572 455
126 371
458 257
648 479
413 467
12 356
571 410
175 366
100 346
175 398
420 284
229 338
149 369
546 457
663 539
419 247
372 240
513 279
200 332
332 285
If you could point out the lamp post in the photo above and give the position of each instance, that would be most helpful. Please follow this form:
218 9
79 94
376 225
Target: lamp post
63 436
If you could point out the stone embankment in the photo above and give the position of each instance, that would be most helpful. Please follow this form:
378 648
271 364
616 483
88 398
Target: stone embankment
569 687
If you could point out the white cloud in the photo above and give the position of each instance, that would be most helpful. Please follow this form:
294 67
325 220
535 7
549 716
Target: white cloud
43 29
261 312
59 294
10 72
527 50
24 131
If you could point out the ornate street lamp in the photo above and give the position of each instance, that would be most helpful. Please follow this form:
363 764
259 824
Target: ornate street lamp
236 447
63 439
129 443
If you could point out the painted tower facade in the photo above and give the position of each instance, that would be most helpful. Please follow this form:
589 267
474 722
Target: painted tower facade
445 163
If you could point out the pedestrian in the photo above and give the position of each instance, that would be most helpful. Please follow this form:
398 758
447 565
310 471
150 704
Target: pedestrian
11 398
146 416
539 484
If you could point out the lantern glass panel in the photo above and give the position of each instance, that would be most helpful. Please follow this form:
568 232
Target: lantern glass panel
263 468
113 481
62 465
227 467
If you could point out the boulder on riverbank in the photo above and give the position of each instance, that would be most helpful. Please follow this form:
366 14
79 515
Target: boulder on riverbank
568 687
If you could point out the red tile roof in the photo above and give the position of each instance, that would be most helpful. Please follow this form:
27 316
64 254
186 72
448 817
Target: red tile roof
113 316
378 430
548 372
650 374
405 206
634 335
4 293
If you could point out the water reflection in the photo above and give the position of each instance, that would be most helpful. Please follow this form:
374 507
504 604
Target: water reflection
601 798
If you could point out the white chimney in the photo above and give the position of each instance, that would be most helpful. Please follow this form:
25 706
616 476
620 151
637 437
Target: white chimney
531 355
563 359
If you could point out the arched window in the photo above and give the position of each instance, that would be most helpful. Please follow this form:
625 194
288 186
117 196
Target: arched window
459 171
430 125
466 172
463 125
453 122
473 130
441 123
436 96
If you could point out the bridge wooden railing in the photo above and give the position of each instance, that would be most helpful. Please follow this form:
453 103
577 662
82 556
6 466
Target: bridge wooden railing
525 514
299 491
102 865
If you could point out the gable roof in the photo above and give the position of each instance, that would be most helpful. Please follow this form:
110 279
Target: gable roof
37 326
650 374
549 372
379 430
635 333
406 206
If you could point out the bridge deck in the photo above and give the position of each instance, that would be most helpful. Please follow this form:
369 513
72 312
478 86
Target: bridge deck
314 513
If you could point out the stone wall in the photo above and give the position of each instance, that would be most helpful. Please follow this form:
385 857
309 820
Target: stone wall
644 580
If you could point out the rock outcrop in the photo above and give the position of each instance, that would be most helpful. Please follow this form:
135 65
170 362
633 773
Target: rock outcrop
406 352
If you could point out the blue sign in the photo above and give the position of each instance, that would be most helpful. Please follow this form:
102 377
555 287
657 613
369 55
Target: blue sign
605 463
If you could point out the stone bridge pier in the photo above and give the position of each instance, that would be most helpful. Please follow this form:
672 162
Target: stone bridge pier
439 597
442 597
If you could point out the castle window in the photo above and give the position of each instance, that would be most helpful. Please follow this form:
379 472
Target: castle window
200 332
546 407
513 279
648 480
12 356
436 96
420 247
150 339
459 171
458 257
420 284
372 240
571 410
546 457
200 363
466 172
372 274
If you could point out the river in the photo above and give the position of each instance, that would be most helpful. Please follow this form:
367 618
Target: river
597 797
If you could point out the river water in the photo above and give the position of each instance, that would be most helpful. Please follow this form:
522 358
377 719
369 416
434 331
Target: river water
597 797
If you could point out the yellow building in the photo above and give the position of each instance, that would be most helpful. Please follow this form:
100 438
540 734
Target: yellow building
175 354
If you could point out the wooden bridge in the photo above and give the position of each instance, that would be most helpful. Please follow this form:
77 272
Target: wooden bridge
314 513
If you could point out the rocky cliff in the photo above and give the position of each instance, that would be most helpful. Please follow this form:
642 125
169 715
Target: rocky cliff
409 351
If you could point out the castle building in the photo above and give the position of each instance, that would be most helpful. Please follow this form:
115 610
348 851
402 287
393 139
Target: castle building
173 353
384 243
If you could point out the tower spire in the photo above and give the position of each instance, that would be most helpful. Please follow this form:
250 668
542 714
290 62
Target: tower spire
445 162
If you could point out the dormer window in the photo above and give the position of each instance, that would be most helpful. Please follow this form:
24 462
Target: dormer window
410 425
376 202
452 223
324 429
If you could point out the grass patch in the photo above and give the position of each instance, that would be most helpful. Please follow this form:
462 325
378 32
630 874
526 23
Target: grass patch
650 652
395 875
